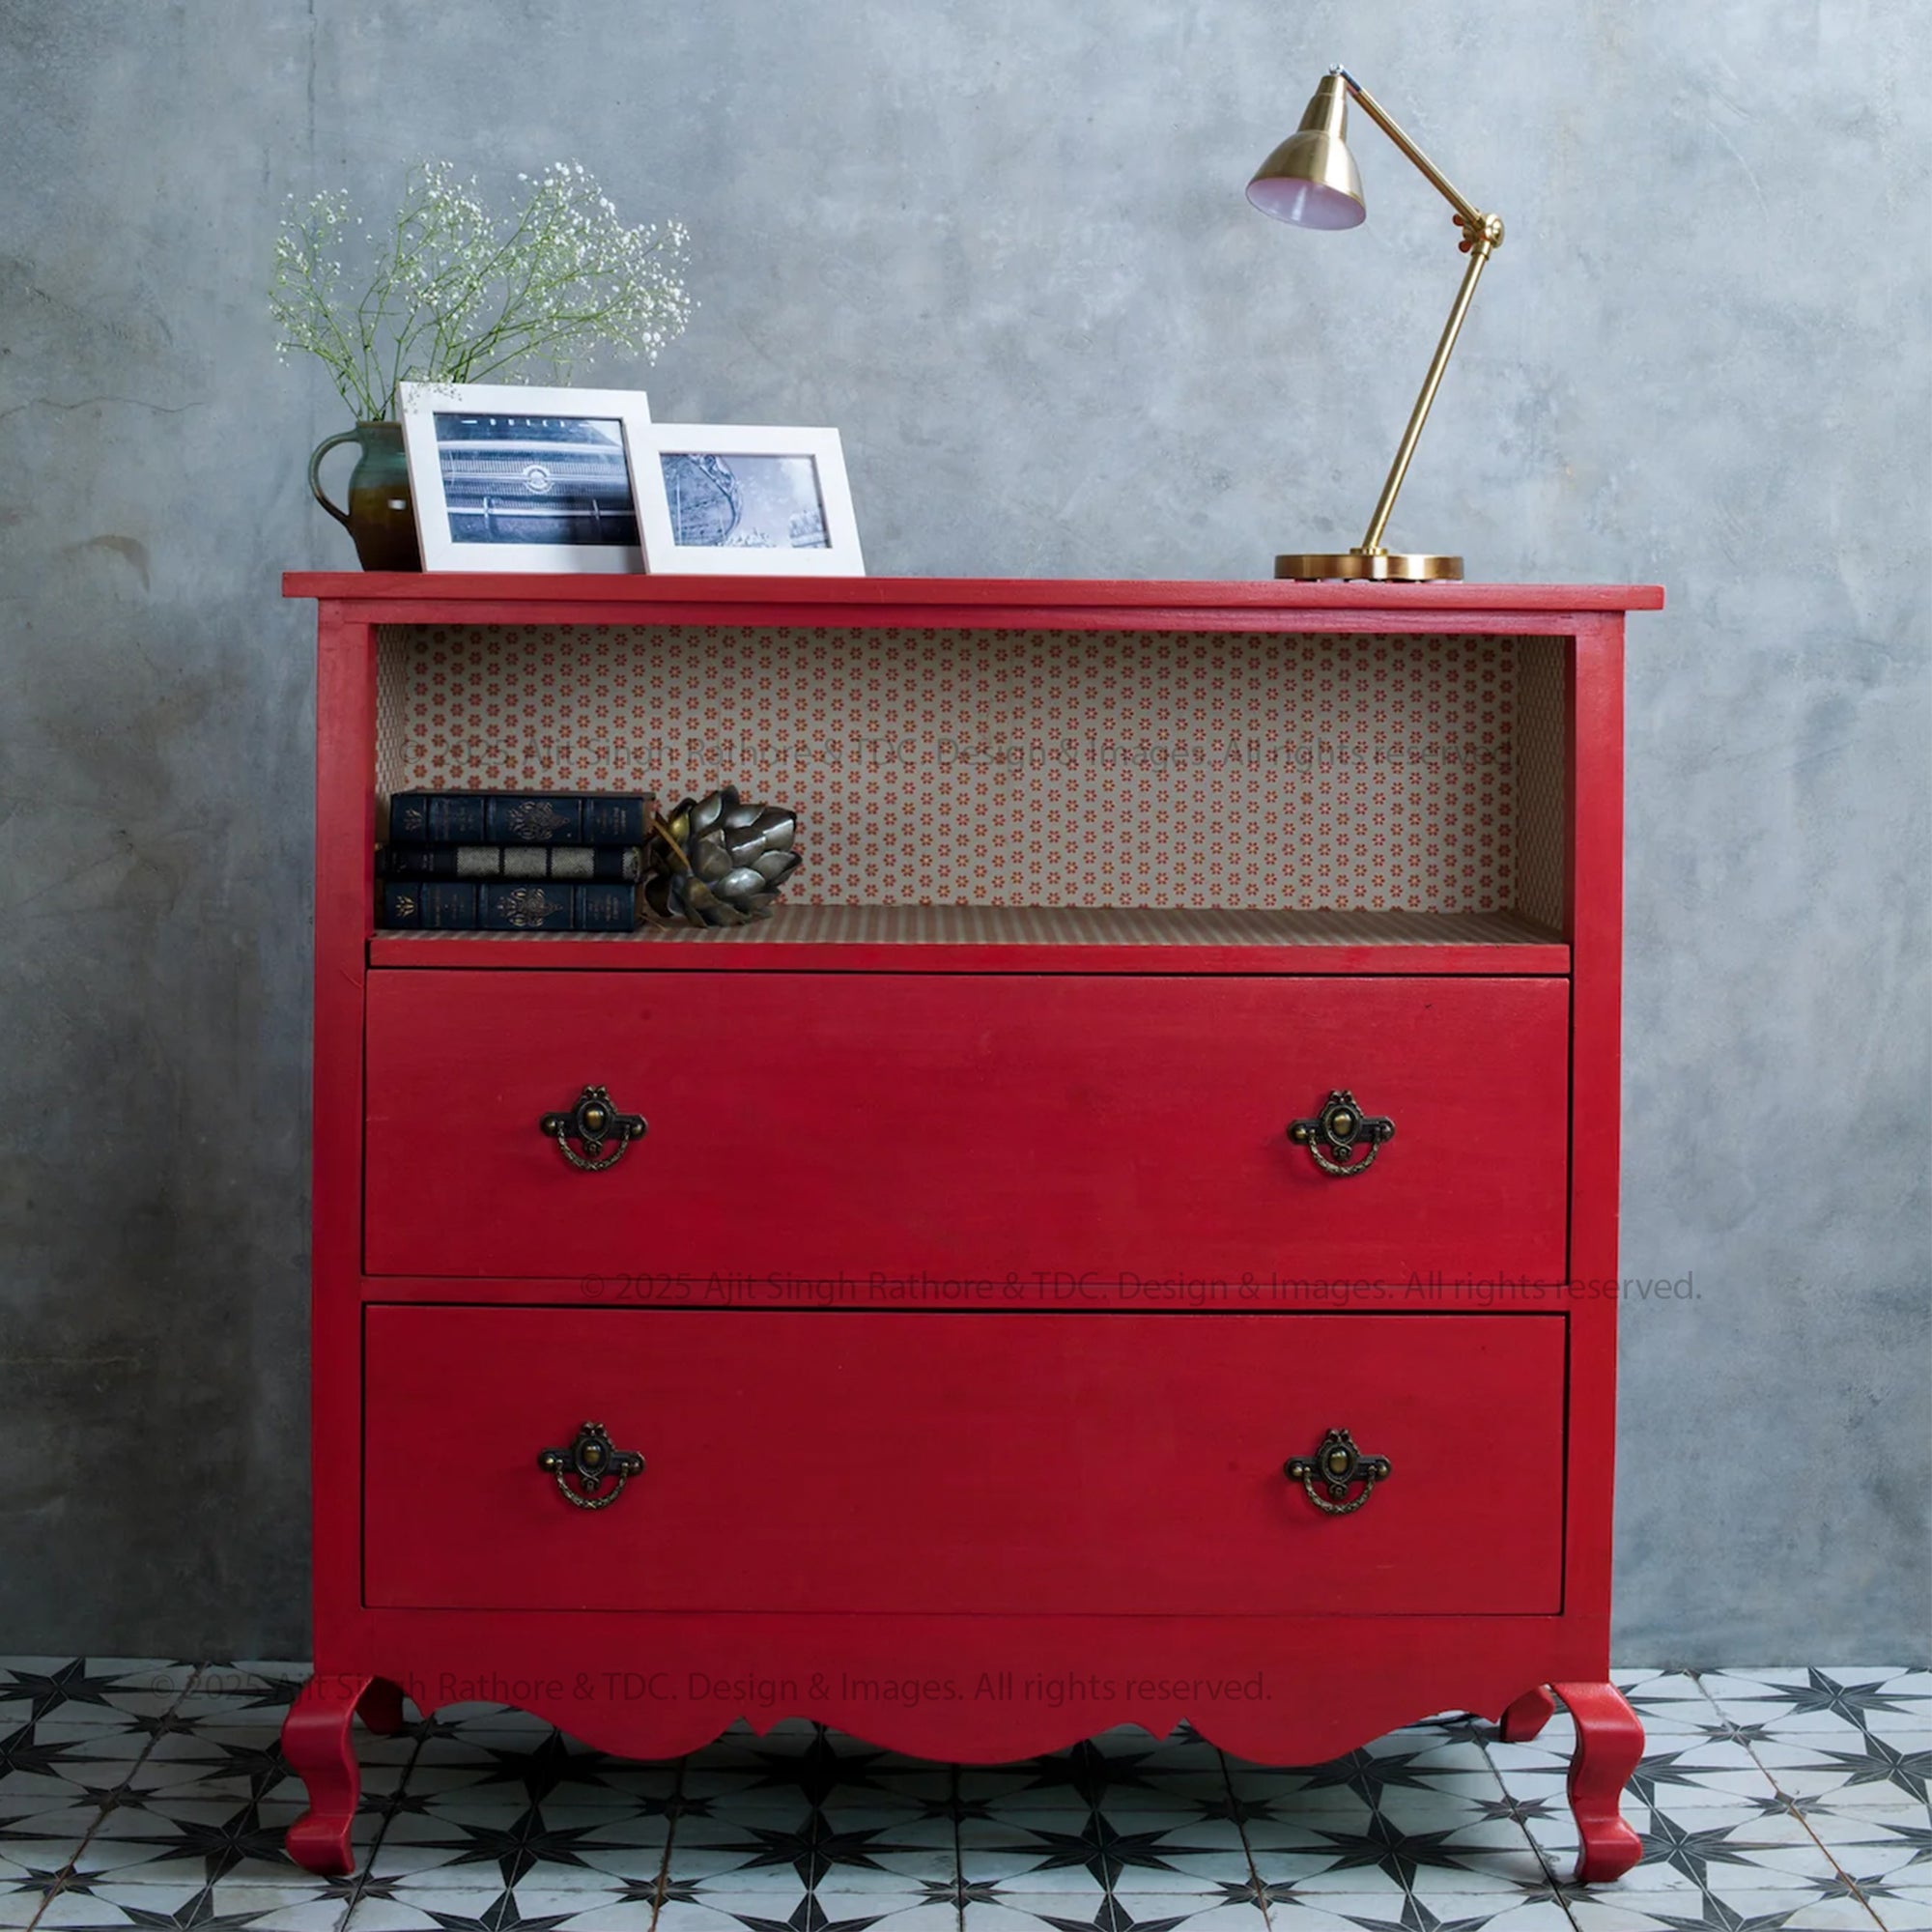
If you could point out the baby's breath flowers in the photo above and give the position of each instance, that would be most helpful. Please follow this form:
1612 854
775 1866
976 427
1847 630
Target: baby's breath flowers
445 296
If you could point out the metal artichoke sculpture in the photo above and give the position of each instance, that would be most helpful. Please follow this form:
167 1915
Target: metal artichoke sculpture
720 862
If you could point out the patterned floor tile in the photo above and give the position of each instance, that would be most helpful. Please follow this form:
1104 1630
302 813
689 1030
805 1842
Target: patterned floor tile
41 1844
1443 1851
1622 1907
1896 1846
1346 1785
563 1846
1906 1728
869 1851
1382 1856
204 1762
534 1906
1288 1876
1111 1768
798 1766
451 1769
1687 1768
1339 1912
1652 1683
787 1735
20 1903
40 1777
903 1911
1285 1827
1177 1798
1183 1748
1204 1912
731 1913
1732 1852
1465 1852
379 1912
1869 1776
1687 1772
1146 1851
491 1720
150 1793
1034 1851
203 1842
1902 1908
780 1808
103 1692
26 1860
1746 1847
243 1694
727 1913
289 1905
1046 1912
1730 1894
1838 1695
1379 1914
1668 1716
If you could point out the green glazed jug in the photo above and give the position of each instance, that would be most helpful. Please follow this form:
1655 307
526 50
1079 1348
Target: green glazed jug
380 516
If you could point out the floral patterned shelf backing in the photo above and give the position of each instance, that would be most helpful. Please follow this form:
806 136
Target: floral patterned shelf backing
1307 772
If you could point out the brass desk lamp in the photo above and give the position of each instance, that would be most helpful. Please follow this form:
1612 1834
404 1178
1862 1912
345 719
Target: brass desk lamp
1311 180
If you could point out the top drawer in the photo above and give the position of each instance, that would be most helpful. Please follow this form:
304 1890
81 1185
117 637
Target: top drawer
1001 1128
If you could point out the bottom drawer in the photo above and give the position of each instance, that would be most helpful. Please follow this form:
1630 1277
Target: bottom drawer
937 1463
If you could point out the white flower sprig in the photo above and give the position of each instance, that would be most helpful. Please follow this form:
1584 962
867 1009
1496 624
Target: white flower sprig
445 298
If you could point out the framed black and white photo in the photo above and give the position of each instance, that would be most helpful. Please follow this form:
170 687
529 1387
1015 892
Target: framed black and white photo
730 498
509 477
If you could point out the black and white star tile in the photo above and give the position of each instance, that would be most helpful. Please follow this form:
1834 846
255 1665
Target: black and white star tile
150 1793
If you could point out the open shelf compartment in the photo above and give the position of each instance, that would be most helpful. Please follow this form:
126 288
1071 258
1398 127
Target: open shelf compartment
1225 793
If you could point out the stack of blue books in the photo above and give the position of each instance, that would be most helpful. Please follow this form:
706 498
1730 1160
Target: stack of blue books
514 861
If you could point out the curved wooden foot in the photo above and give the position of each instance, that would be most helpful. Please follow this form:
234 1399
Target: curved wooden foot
315 1741
1610 1741
1527 1716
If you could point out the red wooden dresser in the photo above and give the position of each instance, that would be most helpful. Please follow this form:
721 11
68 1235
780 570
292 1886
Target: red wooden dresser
1133 1239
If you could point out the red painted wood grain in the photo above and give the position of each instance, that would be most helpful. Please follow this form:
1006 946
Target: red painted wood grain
967 1464
987 1127
1051 1097
465 596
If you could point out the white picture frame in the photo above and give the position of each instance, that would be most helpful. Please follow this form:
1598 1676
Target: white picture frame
457 437
751 491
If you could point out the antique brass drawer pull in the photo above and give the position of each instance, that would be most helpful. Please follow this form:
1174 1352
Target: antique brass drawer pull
1337 1466
593 1121
589 1463
1343 1140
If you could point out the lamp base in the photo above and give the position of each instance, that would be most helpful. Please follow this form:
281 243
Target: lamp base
1374 566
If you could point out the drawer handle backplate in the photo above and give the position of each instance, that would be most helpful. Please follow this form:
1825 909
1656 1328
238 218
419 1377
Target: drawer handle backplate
589 1463
1337 1467
1343 1140
593 1123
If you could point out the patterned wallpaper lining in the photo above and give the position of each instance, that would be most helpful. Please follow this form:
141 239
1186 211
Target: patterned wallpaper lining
1540 891
1065 926
1010 768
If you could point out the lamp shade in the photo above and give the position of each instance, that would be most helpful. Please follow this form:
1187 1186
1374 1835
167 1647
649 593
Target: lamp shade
1311 180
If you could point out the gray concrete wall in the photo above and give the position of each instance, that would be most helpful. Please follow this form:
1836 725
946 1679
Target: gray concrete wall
1003 244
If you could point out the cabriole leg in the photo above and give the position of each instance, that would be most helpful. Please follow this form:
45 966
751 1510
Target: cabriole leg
1527 1716
315 1741
1610 1741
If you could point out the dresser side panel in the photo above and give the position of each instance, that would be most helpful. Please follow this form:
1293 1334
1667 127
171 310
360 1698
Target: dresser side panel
1595 896
344 836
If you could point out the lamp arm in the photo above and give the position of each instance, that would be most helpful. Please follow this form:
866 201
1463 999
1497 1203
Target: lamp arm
1472 216
1482 236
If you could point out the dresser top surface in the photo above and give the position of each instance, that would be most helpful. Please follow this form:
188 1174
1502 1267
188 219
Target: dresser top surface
939 600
